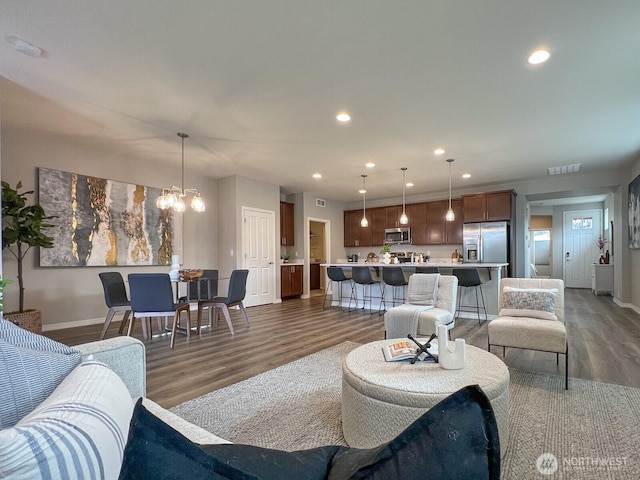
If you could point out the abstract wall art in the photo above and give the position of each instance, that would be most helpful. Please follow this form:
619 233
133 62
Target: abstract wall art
102 222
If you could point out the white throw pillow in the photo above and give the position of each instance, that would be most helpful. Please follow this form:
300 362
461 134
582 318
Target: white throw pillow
529 302
79 432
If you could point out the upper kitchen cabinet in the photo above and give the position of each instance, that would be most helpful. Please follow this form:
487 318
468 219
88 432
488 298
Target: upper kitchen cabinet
287 228
392 216
354 234
377 223
453 230
439 231
417 213
489 207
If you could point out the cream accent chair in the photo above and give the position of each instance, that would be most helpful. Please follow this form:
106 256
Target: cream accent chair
528 332
443 313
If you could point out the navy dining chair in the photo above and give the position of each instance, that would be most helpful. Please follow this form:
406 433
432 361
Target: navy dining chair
152 296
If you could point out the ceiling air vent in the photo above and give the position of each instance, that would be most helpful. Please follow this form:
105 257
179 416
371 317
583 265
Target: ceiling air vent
573 168
320 202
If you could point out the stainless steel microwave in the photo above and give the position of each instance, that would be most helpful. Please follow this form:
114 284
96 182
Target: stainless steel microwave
395 236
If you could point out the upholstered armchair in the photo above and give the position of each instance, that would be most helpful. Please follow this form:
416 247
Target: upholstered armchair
531 317
416 316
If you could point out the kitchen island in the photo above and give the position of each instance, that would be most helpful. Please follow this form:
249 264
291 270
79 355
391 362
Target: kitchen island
490 274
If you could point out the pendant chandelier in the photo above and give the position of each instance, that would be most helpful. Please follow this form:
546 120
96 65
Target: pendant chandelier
364 223
450 216
174 197
403 218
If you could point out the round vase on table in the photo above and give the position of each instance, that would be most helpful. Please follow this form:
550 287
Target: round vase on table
386 258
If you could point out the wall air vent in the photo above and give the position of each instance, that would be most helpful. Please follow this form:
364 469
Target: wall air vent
320 203
573 168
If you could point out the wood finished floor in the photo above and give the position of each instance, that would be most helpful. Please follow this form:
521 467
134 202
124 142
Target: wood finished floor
604 344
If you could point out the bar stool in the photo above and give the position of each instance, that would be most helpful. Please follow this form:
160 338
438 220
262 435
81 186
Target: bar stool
394 277
427 269
336 274
362 276
470 278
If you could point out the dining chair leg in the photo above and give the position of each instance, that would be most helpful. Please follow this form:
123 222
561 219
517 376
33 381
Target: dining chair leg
107 321
199 320
124 321
216 315
174 328
131 323
227 317
244 315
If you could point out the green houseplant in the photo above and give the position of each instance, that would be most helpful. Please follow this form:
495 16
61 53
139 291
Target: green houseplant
23 227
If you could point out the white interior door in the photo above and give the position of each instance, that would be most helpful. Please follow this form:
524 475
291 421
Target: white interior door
259 254
581 231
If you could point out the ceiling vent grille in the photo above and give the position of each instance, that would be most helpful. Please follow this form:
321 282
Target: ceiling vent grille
573 168
320 202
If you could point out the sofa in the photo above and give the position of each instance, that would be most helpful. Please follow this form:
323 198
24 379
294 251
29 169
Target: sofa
97 423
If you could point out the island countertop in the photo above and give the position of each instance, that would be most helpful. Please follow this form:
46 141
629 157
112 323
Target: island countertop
416 264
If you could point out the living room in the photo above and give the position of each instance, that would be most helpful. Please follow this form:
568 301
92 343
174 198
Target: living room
49 120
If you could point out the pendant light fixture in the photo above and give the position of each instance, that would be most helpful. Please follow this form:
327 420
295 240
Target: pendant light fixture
174 197
364 223
403 218
450 216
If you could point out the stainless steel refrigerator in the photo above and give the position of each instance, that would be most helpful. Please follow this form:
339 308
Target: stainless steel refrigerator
486 242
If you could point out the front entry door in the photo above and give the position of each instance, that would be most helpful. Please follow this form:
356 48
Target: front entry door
258 240
581 231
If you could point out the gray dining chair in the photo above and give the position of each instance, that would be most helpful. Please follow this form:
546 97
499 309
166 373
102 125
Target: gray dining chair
235 297
115 296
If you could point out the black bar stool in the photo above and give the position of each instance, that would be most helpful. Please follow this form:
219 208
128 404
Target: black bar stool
394 277
362 276
336 275
470 278
427 269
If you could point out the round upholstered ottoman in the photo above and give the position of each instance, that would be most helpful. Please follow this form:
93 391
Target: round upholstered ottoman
380 399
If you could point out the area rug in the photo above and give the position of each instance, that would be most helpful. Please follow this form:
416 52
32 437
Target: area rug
590 431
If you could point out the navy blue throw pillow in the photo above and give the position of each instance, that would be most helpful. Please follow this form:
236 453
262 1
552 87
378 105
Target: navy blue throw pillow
457 438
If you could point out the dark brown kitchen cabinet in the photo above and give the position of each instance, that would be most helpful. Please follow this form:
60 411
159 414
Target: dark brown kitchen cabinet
287 226
439 231
354 234
453 230
417 213
377 223
392 216
314 276
290 280
489 207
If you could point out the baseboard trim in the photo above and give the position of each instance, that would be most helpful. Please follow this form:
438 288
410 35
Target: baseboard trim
626 305
75 323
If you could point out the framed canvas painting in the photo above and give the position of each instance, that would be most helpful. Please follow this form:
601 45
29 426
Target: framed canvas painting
634 213
102 222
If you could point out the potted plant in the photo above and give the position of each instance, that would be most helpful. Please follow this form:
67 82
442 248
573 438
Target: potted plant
3 283
23 227
386 254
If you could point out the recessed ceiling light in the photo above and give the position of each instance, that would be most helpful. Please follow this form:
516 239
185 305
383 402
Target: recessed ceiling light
23 46
409 184
343 116
538 56
370 165
466 175
438 151
317 175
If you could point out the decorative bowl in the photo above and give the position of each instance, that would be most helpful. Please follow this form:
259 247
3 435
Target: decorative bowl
190 274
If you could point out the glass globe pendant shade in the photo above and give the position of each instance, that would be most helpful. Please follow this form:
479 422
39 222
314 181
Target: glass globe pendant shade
404 219
450 215
178 206
197 204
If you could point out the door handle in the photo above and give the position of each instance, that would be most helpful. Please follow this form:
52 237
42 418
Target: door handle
270 263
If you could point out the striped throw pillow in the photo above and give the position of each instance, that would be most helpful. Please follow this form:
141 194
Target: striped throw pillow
80 431
31 367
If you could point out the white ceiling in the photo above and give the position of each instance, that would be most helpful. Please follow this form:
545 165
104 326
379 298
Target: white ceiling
257 85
